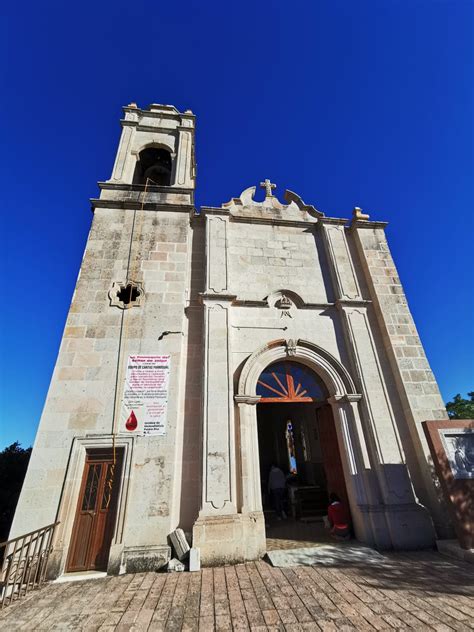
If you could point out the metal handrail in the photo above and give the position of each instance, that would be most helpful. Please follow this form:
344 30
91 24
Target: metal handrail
25 562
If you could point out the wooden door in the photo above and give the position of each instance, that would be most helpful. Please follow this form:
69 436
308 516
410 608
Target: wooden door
96 511
331 455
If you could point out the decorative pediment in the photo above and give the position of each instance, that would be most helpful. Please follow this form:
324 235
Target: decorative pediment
271 207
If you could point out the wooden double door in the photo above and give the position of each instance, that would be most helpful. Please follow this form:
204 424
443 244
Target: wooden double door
96 511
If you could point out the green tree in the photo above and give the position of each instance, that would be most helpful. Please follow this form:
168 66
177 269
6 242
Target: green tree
13 464
461 408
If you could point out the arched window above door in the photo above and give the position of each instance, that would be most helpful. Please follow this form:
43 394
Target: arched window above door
290 382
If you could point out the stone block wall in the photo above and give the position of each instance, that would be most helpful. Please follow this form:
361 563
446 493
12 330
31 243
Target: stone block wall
263 258
416 385
190 492
80 402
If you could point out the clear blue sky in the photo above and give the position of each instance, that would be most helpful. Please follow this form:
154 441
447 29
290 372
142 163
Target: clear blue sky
346 103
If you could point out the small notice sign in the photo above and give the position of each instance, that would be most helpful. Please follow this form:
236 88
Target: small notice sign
145 397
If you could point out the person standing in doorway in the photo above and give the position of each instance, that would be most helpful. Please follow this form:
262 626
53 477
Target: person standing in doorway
277 489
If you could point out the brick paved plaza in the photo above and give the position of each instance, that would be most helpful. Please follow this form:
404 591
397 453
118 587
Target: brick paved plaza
422 591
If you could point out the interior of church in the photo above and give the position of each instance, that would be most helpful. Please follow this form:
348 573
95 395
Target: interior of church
296 433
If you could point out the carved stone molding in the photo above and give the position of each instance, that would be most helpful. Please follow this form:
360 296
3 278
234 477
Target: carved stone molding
343 399
358 215
247 399
291 346
271 208
285 302
118 286
333 373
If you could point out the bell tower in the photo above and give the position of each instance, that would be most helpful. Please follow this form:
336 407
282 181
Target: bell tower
156 152
130 310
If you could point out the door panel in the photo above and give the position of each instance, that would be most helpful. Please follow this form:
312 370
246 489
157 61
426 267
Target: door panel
96 511
330 452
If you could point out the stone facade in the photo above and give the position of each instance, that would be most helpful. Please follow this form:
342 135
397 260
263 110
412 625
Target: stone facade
225 292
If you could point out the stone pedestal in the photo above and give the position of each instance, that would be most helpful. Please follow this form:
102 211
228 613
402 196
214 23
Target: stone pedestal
145 558
230 539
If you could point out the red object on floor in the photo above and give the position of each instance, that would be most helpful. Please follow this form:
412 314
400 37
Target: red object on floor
339 516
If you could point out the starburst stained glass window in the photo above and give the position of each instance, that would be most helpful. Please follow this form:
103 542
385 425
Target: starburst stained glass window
290 382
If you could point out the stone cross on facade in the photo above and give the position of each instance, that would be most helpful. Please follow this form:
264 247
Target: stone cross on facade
268 186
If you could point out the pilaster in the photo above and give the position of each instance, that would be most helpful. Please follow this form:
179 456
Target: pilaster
216 252
219 476
184 165
251 493
385 450
125 144
368 517
415 382
342 270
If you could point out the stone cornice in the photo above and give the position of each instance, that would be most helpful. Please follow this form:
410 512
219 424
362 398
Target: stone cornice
264 304
140 188
338 221
210 296
164 111
137 205
153 128
245 219
250 303
317 218
345 399
352 302
156 128
213 210
367 224
247 399
273 221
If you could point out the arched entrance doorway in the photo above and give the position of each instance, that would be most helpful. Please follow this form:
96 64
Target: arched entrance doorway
296 434
344 405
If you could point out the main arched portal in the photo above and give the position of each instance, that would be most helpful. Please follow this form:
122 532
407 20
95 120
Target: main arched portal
316 393
296 436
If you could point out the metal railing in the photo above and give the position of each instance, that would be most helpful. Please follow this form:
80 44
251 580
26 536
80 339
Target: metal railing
25 560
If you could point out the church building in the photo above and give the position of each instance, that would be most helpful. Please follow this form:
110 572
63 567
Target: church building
204 345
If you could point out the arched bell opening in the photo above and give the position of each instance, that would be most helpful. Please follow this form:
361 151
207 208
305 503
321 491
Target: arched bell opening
153 167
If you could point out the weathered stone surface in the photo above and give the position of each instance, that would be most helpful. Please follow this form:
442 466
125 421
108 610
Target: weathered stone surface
141 559
194 559
175 566
180 544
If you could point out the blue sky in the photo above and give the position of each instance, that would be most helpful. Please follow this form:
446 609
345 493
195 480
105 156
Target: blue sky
363 103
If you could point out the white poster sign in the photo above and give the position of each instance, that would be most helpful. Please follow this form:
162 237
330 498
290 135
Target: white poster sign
145 397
